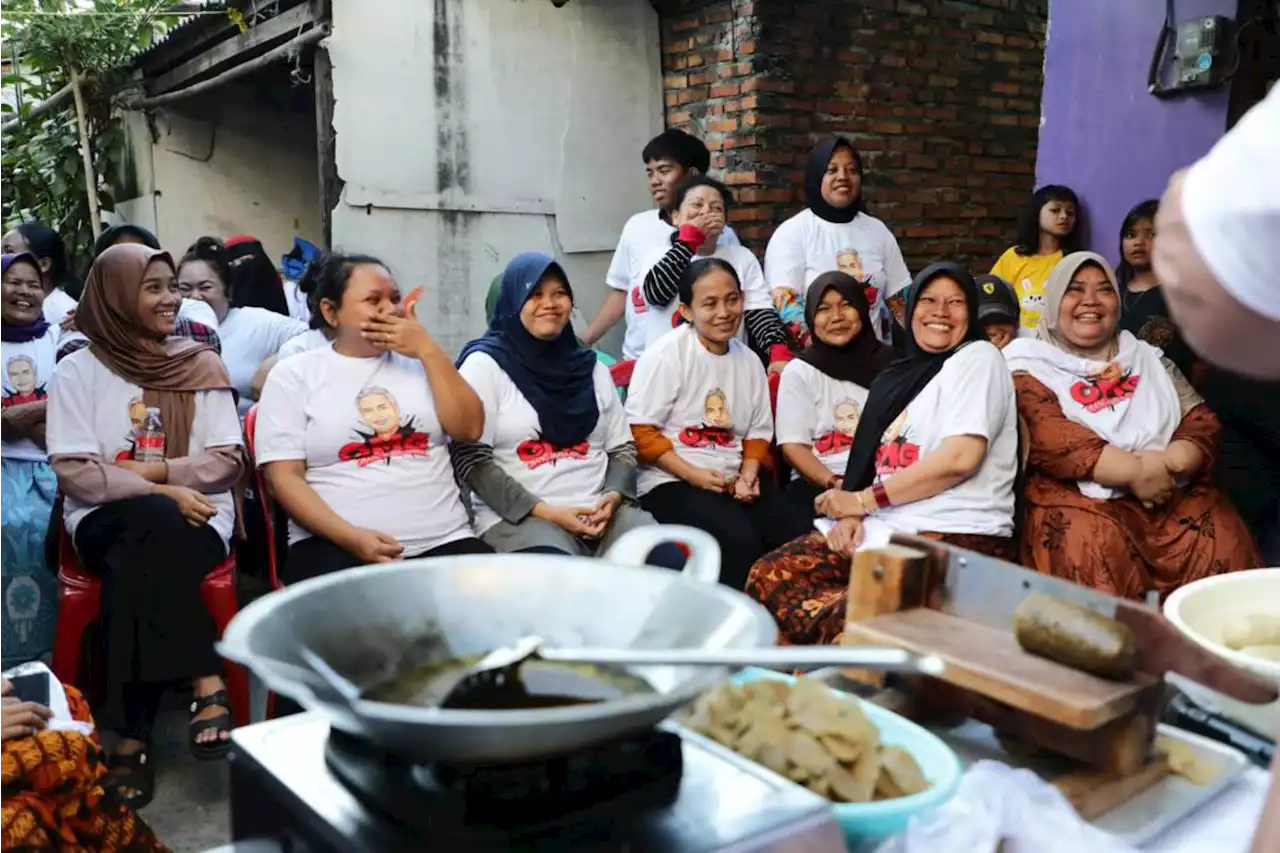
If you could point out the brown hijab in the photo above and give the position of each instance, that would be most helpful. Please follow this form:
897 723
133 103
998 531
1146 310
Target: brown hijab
169 371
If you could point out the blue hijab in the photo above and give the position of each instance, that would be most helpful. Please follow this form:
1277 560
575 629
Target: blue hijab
556 377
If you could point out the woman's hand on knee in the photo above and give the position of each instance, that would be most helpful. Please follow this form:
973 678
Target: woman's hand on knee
195 507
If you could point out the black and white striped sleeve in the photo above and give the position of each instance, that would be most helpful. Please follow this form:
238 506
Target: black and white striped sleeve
474 468
764 330
662 282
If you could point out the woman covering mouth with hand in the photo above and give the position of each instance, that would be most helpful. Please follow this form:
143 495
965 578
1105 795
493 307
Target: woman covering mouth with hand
934 454
1120 450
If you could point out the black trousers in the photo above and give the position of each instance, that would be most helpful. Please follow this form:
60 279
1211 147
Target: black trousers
156 629
746 532
316 556
801 493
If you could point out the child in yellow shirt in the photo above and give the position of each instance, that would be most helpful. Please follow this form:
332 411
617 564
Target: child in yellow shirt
1047 230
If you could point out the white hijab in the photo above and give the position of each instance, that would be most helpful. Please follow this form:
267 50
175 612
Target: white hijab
1129 399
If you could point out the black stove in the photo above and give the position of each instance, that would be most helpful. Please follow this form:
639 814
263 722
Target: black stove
665 791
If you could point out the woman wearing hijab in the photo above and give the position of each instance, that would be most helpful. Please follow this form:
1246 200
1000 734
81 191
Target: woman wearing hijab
834 232
555 469
29 353
823 392
151 530
934 454
254 279
61 287
1121 448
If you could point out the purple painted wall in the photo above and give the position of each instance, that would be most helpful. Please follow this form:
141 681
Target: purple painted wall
1100 132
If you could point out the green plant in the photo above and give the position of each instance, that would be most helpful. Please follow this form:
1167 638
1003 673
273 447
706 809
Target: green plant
52 43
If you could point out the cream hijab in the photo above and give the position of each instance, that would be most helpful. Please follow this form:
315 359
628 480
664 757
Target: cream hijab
1123 390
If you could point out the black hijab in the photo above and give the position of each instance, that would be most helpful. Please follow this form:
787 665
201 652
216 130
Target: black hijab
817 169
858 361
895 388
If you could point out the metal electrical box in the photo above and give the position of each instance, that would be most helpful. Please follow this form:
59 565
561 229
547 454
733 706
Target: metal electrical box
1203 53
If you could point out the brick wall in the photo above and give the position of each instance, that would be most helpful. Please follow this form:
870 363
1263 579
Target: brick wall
941 98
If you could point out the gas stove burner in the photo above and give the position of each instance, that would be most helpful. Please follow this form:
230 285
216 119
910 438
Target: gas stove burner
589 790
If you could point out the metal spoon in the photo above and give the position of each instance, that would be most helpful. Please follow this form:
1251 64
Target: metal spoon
500 666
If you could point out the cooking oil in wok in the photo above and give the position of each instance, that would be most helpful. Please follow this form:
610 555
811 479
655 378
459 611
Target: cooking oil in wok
541 684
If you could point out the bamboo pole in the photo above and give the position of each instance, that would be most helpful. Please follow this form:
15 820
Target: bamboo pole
86 152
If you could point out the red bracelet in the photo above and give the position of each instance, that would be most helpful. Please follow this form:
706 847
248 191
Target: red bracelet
881 496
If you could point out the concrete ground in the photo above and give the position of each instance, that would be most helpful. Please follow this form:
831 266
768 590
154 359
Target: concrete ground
191 810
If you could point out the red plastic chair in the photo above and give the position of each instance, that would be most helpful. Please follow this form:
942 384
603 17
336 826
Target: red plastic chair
264 499
621 373
79 597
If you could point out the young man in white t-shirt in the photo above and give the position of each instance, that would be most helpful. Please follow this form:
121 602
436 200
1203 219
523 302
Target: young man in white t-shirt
669 158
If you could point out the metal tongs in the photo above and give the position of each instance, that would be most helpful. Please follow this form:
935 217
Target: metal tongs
501 665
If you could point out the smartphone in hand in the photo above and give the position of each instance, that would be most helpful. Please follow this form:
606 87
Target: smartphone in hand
33 687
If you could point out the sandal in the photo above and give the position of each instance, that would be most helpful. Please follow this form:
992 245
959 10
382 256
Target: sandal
214 749
132 772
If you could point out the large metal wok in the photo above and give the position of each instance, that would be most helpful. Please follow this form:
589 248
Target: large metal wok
372 622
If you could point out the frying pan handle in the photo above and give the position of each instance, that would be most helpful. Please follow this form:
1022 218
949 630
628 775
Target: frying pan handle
703 564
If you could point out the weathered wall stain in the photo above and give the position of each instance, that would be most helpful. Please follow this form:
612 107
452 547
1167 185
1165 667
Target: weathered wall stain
453 167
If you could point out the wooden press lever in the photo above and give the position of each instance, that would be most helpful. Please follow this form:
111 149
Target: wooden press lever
894 595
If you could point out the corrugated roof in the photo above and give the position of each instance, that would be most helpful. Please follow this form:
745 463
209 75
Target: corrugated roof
214 15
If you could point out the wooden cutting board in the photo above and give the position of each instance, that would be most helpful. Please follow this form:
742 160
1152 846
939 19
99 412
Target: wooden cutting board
992 664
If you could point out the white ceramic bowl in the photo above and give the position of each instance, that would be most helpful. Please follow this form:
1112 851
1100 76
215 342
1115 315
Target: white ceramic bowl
1203 609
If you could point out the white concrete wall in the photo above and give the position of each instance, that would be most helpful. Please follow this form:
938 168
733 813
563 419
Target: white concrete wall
227 163
471 130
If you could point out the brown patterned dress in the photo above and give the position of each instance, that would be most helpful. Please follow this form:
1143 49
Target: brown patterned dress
1118 546
54 799
805 585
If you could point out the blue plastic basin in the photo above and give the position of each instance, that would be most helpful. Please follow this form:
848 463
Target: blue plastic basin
864 823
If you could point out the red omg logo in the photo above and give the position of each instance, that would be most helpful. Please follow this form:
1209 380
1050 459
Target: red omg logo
534 453
1104 391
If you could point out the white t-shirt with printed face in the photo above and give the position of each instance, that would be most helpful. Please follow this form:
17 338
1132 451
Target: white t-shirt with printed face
705 404
643 234
28 372
92 410
660 319
820 412
249 337
368 432
312 339
971 395
559 476
806 246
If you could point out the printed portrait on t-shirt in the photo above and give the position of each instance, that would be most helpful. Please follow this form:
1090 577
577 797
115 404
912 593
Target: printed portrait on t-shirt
637 301
137 412
849 262
716 422
1105 388
845 416
716 408
24 383
897 450
392 434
